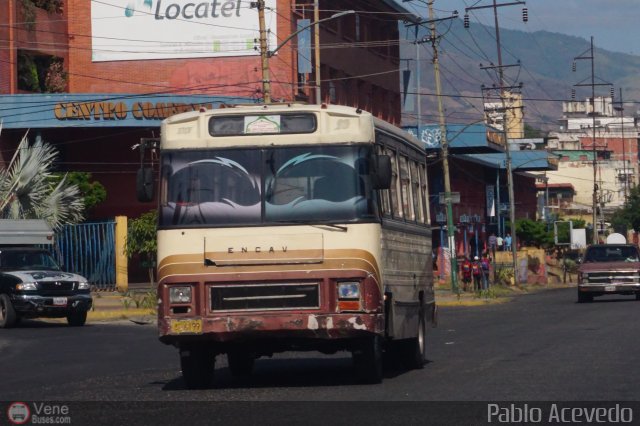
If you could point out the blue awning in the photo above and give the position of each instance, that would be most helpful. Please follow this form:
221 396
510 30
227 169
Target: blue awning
55 110
520 160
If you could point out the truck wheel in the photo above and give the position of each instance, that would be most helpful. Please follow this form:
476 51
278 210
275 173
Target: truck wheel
367 360
240 363
77 318
198 365
413 352
584 297
8 316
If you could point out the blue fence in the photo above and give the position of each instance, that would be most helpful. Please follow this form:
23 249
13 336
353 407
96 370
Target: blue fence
88 249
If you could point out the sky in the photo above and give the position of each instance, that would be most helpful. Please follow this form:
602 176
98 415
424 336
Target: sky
613 23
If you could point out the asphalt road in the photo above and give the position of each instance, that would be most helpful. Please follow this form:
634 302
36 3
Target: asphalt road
538 347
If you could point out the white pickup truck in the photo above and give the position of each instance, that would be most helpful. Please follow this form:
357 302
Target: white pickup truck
31 282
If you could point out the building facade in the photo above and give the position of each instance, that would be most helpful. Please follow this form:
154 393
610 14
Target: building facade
609 140
93 78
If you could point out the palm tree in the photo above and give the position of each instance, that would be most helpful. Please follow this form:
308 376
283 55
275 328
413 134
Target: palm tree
27 191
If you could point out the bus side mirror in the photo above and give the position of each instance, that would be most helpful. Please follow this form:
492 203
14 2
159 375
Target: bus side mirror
381 172
144 184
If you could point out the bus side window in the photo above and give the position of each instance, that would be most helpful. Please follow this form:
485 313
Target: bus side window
396 202
416 195
405 186
424 190
384 194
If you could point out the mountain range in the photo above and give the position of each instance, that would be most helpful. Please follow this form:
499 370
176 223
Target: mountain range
545 59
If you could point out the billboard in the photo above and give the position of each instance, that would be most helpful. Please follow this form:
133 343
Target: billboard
124 30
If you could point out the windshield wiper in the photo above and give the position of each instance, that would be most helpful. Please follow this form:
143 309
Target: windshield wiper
313 223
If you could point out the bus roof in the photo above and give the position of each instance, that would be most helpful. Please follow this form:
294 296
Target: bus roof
335 124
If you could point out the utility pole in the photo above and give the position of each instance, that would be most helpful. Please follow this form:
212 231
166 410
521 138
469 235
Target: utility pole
624 149
445 151
316 48
433 38
505 124
264 54
593 84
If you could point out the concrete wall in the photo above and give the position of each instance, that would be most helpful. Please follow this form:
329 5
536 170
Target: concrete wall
580 175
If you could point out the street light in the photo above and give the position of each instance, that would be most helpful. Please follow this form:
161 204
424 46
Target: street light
270 53
266 54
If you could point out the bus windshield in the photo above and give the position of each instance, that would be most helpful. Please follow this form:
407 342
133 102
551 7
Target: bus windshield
269 186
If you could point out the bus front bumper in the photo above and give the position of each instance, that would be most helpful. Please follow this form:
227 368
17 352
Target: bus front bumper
238 327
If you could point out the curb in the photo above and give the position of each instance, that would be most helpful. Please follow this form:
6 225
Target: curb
119 314
470 300
472 303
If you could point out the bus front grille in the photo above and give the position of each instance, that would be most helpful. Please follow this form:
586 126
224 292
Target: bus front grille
265 296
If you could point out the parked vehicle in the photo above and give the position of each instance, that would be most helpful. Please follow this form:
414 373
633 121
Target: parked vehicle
609 269
32 284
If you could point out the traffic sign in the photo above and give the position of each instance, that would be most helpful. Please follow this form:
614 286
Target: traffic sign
449 197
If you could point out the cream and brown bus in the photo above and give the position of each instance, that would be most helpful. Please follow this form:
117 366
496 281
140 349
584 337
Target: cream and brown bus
292 227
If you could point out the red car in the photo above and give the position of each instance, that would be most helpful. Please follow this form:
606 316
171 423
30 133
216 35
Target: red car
609 269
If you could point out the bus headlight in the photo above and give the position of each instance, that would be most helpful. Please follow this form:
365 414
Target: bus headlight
349 290
180 294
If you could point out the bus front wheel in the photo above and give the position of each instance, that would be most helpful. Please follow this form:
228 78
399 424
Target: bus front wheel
367 360
198 364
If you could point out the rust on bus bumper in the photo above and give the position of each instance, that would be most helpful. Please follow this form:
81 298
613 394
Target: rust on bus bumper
228 328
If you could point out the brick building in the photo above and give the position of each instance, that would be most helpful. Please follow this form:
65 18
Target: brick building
94 77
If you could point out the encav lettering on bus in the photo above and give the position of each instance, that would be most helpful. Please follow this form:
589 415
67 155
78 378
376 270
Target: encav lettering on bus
514 413
213 9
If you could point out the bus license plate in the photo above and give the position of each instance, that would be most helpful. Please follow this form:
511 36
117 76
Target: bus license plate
59 301
193 326
610 288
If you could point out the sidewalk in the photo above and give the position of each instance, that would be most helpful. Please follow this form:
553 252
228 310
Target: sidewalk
137 304
495 294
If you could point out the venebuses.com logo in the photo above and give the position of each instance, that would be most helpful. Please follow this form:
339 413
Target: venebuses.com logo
20 413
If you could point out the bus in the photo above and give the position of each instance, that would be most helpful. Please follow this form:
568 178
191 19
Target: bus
291 227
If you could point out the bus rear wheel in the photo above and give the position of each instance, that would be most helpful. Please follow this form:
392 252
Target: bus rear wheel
413 352
367 360
198 365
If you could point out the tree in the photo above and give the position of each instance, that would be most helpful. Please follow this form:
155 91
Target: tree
93 192
563 228
27 190
629 215
141 240
533 233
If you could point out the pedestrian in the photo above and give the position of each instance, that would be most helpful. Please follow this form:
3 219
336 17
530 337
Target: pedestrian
499 242
507 242
485 263
476 271
466 273
493 244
